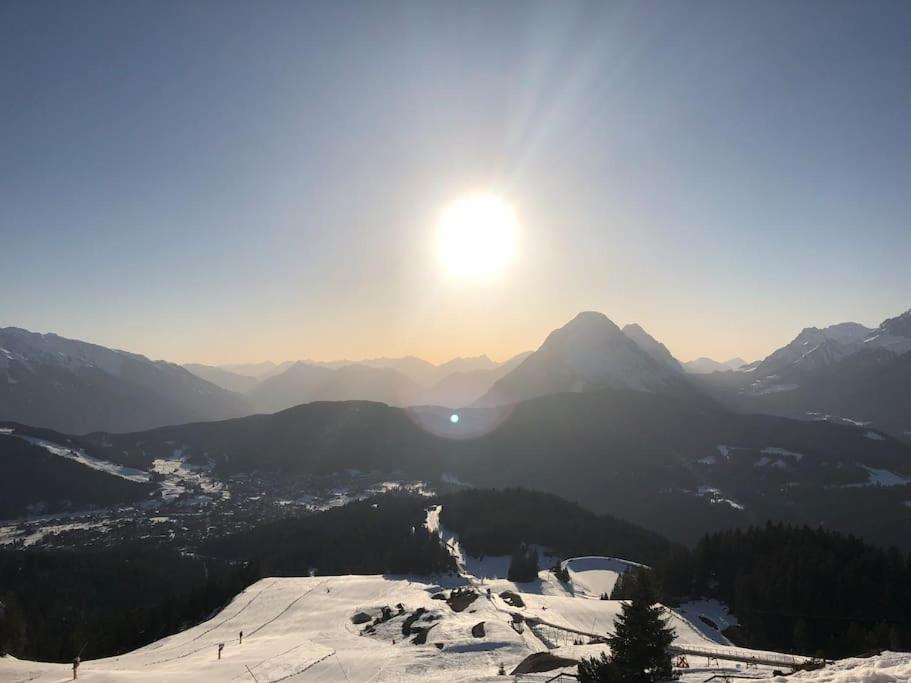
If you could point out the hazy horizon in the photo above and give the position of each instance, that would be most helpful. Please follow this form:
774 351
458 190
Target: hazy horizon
223 182
531 346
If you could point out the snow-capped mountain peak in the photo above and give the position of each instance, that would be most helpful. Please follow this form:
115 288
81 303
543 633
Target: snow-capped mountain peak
815 348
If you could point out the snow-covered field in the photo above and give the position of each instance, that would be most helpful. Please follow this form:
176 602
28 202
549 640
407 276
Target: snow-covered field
888 667
594 576
303 629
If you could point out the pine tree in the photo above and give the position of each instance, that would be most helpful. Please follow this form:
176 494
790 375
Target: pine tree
597 670
641 637
523 565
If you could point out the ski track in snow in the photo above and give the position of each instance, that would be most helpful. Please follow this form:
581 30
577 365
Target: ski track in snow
80 456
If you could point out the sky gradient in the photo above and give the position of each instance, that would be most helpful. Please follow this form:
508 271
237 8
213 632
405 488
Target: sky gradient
240 181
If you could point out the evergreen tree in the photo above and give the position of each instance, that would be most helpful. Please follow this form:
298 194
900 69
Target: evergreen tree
598 670
641 636
523 566
622 589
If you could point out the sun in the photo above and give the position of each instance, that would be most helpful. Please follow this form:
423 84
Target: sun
476 237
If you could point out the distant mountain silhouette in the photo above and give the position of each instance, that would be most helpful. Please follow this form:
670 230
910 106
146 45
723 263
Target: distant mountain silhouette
396 381
701 366
257 370
304 383
464 387
417 369
587 354
73 386
223 378
652 346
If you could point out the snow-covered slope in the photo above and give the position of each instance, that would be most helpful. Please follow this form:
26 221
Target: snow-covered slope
301 629
413 628
848 372
814 348
894 334
80 456
887 667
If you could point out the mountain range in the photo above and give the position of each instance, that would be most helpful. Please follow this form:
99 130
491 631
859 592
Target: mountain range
845 372
599 414
77 387
395 381
676 466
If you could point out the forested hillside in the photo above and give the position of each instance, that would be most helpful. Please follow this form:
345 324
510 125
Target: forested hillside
382 535
497 522
808 590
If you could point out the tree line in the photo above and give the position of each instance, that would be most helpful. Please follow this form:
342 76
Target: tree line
808 591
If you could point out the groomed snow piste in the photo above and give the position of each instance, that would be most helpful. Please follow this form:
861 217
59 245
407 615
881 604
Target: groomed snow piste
335 628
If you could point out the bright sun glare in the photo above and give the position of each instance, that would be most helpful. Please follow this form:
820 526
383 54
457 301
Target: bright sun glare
476 236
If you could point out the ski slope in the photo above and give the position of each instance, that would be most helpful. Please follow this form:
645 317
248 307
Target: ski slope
300 629
333 628
80 456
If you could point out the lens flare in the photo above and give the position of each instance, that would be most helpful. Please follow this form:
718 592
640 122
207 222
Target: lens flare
464 425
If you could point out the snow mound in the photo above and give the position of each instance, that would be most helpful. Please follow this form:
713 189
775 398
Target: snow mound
888 667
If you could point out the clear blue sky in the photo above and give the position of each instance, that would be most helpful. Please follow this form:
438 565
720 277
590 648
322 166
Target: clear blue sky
235 181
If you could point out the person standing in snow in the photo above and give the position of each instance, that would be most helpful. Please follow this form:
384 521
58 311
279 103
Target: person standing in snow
240 638
221 646
76 667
